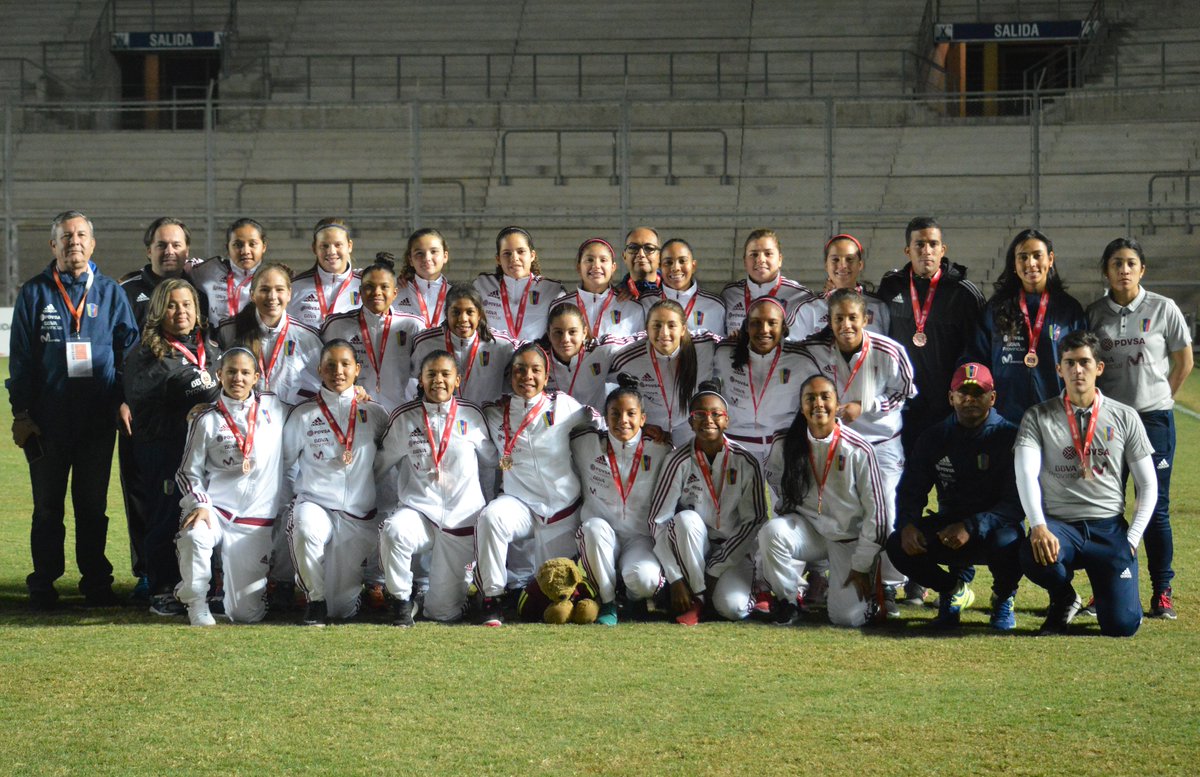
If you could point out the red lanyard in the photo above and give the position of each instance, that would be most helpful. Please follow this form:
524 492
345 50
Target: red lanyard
76 312
269 367
1035 331
594 329
234 293
862 359
468 363
575 374
624 490
514 329
1083 446
244 442
702 460
198 360
345 440
758 398
376 362
687 311
430 323
921 312
438 450
833 445
746 292
510 441
327 309
662 387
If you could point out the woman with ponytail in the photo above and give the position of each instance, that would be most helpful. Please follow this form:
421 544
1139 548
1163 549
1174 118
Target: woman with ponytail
516 297
422 285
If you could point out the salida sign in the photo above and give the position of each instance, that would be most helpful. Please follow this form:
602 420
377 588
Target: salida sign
166 41
1013 31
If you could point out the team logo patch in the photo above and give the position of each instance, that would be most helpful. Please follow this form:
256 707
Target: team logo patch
1145 325
645 463
699 317
484 358
785 375
1056 332
290 348
841 461
549 416
972 370
595 369
647 379
462 427
401 338
616 316
1106 344
93 310
355 298
982 461
362 415
731 477
1109 432
533 296
1069 453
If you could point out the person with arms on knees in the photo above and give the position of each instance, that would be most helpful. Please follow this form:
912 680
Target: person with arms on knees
165 377
703 311
606 313
832 506
968 458
71 329
423 285
618 471
438 449
231 478
334 528
331 284
1021 327
641 255
1146 348
709 502
1071 454
482 353
844 262
579 364
762 257
541 495
516 297
225 283
933 310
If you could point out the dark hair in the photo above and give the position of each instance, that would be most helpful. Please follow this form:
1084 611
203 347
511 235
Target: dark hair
166 221
1117 245
332 221
627 386
384 262
710 386
1080 338
797 475
920 223
762 234
245 323
433 356
686 383
635 229
559 310
681 242
338 342
525 348
245 222
838 296
461 291
408 273
535 267
1007 313
741 349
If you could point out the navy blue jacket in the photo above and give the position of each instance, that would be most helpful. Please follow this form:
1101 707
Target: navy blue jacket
42 326
1018 387
972 470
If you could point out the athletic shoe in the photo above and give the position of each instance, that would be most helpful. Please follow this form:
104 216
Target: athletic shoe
1004 617
402 613
1089 609
281 595
1061 612
199 614
786 613
102 598
315 614
43 601
493 611
914 595
141 590
951 605
1161 605
890 607
762 602
374 597
608 614
691 616
166 604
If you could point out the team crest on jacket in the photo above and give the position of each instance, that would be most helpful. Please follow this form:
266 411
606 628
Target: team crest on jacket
1145 325
841 462
484 358
462 427
362 415
595 369
1056 332
1109 432
534 295
645 463
699 317
982 461
401 338
731 477
785 375
549 416
290 348
93 310
616 316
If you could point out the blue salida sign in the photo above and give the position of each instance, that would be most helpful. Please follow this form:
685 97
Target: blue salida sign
947 32
167 41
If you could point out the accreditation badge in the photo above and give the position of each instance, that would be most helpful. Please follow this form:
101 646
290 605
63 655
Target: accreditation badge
79 358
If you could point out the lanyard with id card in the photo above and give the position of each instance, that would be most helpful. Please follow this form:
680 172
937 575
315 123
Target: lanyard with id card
79 349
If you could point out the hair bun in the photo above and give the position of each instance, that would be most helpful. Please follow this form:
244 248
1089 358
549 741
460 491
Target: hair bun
386 258
627 381
712 384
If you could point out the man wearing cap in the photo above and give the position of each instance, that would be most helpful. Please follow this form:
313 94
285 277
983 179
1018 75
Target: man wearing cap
1071 454
968 458
71 329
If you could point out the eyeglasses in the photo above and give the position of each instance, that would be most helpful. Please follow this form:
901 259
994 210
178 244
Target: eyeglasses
637 248
705 415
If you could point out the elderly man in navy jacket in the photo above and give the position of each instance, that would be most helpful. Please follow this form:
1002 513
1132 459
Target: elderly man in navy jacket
71 328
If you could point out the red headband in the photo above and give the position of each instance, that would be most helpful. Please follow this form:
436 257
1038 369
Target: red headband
844 236
589 241
772 300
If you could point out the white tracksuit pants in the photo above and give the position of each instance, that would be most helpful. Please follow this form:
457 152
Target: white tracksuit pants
331 551
783 540
506 521
245 552
600 548
406 533
689 541
890 457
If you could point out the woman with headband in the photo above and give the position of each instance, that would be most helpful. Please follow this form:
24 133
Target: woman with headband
604 312
422 285
668 363
225 283
709 503
541 494
760 372
516 297
331 284
844 262
230 478
482 353
579 364
704 312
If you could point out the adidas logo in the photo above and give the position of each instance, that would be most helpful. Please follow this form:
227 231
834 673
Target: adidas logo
897 298
602 461
49 309
141 297
944 462
647 378
1126 575
1163 465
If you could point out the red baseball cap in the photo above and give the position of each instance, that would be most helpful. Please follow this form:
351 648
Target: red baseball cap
972 374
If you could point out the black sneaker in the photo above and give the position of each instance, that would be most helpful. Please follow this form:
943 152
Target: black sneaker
314 614
281 596
167 605
43 601
889 602
1061 612
1161 605
102 598
785 613
492 613
1088 609
402 612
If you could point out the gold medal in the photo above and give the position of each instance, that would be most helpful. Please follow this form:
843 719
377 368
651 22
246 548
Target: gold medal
347 457
1031 360
434 474
919 339
247 465
506 463
1087 473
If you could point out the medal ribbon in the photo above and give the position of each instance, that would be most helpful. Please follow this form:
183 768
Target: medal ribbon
198 359
438 450
1083 446
862 359
470 360
833 445
277 349
662 387
510 442
345 440
327 309
76 312
430 323
921 312
1034 332
702 460
245 442
624 490
234 293
594 330
746 292
376 363
514 329
758 398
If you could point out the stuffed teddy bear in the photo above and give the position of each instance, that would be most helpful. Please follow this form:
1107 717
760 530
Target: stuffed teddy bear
559 593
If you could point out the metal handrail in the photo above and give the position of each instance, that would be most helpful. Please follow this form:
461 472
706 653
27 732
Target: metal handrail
296 183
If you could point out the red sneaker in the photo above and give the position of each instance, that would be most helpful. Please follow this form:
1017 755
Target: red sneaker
690 616
762 602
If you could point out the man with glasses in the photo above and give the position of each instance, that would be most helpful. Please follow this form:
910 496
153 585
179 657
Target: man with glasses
642 251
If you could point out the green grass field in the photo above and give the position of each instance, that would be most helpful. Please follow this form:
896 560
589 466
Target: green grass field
123 692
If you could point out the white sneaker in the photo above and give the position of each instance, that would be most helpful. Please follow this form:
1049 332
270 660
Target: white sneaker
199 615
